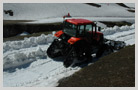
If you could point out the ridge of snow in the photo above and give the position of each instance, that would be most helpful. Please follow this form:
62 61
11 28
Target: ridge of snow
115 29
19 58
27 42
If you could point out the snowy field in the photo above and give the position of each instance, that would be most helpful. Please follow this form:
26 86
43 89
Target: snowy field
53 12
26 63
23 11
30 66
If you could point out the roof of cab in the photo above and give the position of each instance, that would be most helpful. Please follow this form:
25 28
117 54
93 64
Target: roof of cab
79 21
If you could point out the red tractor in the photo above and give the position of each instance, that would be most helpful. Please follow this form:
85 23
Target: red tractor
79 39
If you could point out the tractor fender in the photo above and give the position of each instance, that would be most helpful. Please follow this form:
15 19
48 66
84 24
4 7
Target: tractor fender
98 36
59 33
73 40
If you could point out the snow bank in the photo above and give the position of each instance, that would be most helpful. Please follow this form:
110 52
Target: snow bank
19 58
116 29
28 42
124 33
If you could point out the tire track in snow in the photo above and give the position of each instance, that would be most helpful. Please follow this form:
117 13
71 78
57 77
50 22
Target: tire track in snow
123 36
120 34
42 73
126 35
126 38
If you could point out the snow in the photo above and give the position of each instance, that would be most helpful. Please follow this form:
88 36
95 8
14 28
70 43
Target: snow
60 19
23 34
130 4
42 70
36 11
27 42
116 29
19 58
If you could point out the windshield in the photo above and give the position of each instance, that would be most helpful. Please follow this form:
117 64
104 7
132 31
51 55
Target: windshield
83 29
70 29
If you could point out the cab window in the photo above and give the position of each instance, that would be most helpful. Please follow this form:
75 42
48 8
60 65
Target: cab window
81 30
88 28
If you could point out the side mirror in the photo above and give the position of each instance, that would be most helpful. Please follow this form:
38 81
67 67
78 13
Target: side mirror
99 28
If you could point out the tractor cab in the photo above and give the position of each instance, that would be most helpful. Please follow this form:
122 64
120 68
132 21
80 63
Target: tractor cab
82 28
79 27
